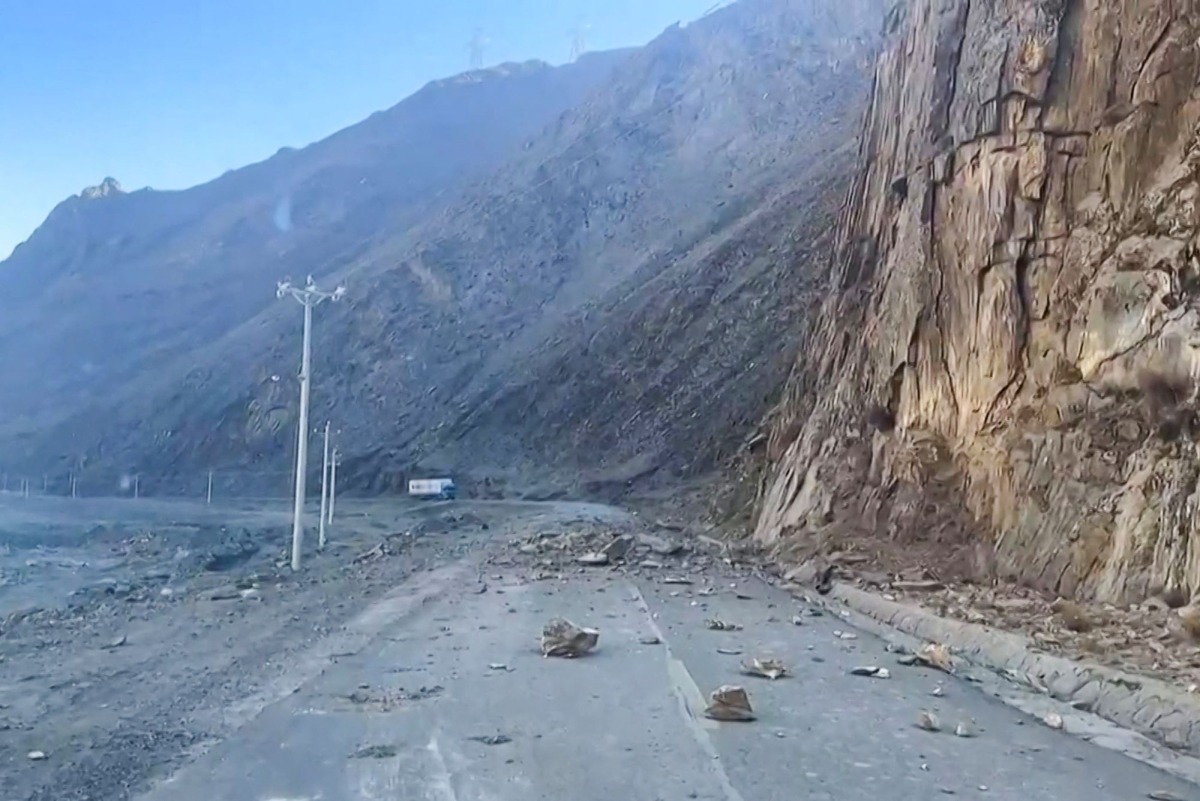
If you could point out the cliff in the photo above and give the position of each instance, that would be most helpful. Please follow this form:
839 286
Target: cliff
1003 372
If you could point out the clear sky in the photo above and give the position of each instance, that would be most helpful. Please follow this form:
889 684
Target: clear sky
171 93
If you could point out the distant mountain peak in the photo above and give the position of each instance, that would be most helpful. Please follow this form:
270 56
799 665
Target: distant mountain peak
108 187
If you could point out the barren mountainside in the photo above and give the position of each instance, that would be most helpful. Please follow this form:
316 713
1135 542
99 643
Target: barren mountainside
1004 368
619 293
118 287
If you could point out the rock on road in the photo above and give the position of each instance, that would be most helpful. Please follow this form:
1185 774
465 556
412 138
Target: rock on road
446 696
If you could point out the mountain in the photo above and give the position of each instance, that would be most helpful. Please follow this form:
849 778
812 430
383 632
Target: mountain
614 299
1002 376
118 286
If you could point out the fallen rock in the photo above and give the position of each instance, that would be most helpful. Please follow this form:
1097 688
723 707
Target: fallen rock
491 739
650 563
964 729
660 545
765 668
376 752
1053 720
650 639
918 586
716 624
37 756
729 703
936 655
928 721
594 559
561 637
618 548
116 642
677 580
227 593
873 671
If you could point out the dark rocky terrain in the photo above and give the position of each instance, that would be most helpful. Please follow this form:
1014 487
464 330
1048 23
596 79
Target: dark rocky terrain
618 297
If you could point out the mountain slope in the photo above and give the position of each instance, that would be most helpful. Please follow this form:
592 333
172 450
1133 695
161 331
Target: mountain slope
641 223
115 286
1004 371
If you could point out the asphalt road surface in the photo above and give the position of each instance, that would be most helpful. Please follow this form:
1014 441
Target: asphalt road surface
439 691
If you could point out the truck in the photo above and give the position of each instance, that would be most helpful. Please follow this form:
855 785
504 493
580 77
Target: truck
440 488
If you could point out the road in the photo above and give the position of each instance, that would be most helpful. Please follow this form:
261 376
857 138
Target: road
441 661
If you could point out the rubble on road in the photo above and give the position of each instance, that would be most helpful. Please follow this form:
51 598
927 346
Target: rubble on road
562 638
729 703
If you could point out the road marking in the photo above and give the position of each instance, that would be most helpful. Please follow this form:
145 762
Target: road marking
691 702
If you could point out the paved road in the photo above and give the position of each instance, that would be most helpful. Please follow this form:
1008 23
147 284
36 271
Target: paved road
395 719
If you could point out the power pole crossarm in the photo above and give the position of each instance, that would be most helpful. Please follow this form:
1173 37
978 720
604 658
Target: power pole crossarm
309 297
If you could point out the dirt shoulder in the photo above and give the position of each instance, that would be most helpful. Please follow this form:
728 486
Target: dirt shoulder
135 645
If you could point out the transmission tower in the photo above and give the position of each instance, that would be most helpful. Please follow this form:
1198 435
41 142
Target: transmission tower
475 48
578 44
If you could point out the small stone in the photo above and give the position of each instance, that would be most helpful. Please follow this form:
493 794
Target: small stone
1163 795
595 559
650 564
797 620
766 668
848 635
937 692
928 721
376 752
677 580
492 739
716 624
650 639
618 548
872 671
1053 720
37 756
116 642
963 729
730 651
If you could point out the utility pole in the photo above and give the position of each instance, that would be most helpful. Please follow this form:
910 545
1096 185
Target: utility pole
333 463
308 296
324 489
208 494
74 485
136 482
578 44
475 48
45 483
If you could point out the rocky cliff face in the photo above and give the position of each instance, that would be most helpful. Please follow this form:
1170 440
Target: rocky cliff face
1005 369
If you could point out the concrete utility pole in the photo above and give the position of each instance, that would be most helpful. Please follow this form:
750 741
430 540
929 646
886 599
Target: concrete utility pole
208 495
578 43
475 48
308 296
333 463
324 489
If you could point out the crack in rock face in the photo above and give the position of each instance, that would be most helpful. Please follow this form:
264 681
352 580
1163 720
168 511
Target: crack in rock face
1026 312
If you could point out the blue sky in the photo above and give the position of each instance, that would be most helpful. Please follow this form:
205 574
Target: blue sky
171 93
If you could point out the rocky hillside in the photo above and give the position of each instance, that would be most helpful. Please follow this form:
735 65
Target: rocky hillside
619 297
1005 366
116 287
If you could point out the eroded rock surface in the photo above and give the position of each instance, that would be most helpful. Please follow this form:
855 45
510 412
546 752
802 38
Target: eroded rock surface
1005 366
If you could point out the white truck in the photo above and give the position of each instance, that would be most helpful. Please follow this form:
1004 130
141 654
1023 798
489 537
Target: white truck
440 488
